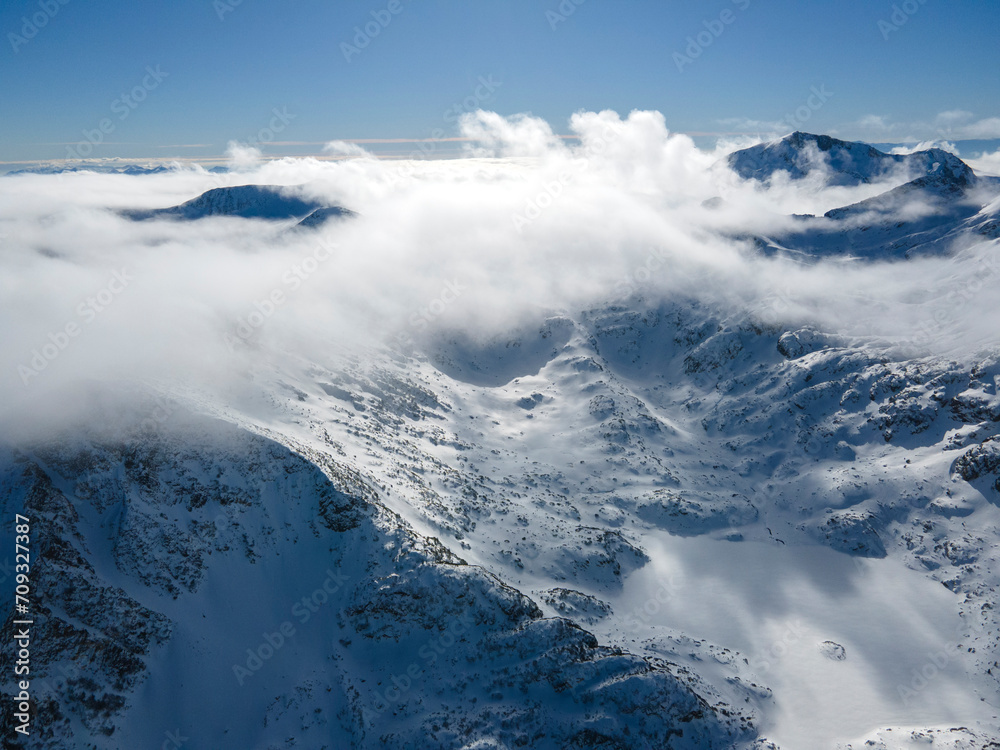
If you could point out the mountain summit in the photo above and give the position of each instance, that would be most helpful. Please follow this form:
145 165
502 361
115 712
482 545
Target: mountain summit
846 162
882 226
248 202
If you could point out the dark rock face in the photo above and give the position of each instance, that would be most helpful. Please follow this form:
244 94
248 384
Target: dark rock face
852 533
981 461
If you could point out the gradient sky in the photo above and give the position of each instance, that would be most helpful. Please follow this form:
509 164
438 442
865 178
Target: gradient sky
230 64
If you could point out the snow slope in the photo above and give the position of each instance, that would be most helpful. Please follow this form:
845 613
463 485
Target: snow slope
203 571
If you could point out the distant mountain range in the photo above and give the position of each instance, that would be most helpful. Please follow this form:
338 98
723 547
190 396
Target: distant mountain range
99 167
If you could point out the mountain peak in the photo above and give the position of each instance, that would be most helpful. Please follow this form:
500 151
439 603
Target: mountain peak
823 142
844 162
244 201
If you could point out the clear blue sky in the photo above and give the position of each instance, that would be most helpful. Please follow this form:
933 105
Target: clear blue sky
224 77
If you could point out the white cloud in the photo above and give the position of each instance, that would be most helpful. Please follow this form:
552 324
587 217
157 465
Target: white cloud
986 129
593 212
242 157
953 117
951 148
347 149
953 125
750 125
520 135
986 164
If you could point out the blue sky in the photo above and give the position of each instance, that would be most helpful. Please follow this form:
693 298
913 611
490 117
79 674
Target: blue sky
225 69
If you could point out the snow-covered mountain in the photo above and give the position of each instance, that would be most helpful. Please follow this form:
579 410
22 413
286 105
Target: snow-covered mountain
647 521
938 199
247 202
845 163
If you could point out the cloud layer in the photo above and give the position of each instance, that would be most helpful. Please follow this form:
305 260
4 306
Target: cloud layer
529 224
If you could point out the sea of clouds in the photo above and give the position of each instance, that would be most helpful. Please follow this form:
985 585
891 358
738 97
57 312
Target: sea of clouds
531 223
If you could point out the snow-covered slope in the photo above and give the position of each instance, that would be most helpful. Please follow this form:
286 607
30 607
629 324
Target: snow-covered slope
202 570
718 501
